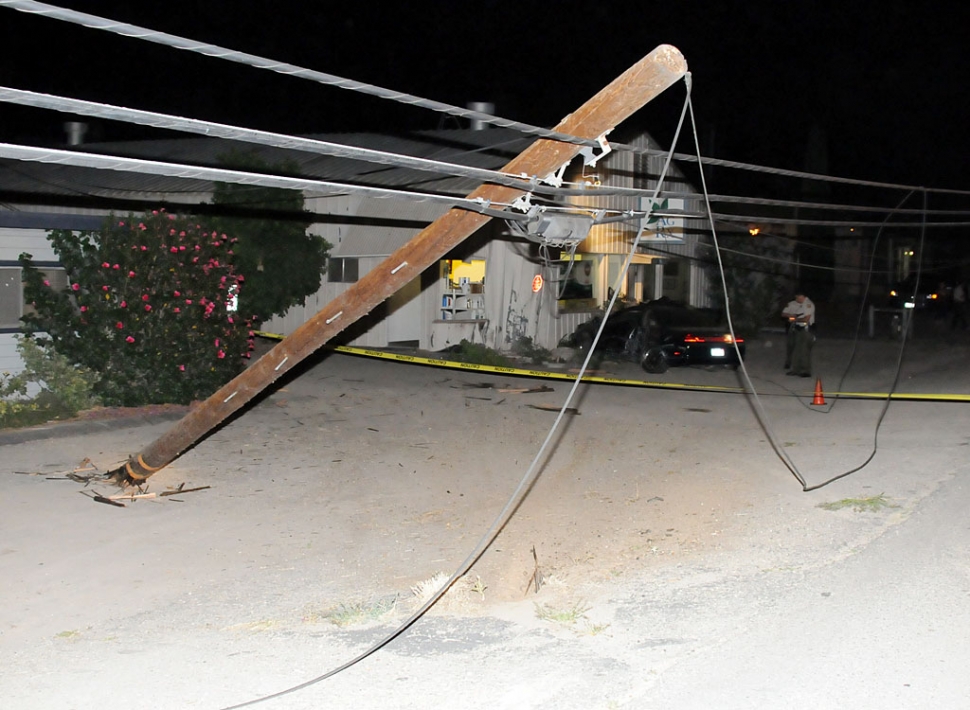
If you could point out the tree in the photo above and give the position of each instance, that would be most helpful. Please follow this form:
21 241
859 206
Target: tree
283 264
755 269
149 307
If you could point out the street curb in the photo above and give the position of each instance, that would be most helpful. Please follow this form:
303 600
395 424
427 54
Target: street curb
63 430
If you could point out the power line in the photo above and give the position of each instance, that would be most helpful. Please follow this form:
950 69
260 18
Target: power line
211 50
178 170
316 146
265 138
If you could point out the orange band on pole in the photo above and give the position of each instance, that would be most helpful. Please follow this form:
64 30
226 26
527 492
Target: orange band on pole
150 469
144 469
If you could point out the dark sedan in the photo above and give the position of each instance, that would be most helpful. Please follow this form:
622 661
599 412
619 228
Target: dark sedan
661 333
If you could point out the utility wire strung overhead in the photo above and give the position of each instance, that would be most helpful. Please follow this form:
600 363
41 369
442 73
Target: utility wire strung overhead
275 140
281 141
211 50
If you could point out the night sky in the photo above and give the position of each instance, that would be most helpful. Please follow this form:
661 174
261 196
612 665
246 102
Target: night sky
886 82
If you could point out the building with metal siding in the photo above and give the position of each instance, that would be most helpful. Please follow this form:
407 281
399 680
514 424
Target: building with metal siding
498 309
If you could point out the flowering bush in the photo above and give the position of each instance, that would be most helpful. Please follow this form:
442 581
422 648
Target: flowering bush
149 308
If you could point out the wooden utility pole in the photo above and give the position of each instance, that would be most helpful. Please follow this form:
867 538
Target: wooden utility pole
626 94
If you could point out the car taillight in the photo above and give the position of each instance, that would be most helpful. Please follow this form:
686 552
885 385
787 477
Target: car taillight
726 338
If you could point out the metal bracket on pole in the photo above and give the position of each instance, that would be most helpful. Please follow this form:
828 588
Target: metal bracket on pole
590 156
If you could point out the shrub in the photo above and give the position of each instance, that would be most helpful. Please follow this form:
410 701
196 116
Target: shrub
475 354
148 308
282 262
536 354
65 388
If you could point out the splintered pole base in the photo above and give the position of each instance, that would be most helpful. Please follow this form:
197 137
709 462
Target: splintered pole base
629 92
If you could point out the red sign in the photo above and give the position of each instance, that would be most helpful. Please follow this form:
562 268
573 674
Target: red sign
537 284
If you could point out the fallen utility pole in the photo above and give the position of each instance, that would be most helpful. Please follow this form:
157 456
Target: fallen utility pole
616 102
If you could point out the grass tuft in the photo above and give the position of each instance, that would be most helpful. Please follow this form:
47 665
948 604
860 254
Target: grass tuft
567 616
359 613
860 505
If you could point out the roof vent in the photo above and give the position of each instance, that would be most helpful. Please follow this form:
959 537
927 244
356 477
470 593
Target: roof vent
481 107
76 130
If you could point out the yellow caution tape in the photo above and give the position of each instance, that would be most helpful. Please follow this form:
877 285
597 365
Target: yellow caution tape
545 374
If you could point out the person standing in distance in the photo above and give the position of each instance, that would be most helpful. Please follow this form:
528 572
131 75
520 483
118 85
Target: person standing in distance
801 337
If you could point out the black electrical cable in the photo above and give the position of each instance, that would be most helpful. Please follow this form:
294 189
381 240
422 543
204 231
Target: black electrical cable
892 389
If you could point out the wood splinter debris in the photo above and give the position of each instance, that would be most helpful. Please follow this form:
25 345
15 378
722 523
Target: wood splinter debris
553 408
182 489
142 494
536 579
98 498
526 390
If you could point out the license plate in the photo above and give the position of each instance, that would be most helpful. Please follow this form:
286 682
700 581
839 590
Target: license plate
717 352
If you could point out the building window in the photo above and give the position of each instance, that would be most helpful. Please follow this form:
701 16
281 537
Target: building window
12 305
577 278
342 270
11 298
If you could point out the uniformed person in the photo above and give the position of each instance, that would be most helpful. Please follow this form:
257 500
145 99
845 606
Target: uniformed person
801 336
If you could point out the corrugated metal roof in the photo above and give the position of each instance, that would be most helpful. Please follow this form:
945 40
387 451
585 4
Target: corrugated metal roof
487 149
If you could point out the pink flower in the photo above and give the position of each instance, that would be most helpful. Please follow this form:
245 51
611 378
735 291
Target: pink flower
154 211
182 233
171 216
171 232
106 265
129 339
119 325
182 248
144 248
220 355
174 250
147 307
177 309
124 304
75 287
121 224
188 301
182 368
142 227
131 274
83 309
144 297
46 282
176 293
216 343
116 266
104 288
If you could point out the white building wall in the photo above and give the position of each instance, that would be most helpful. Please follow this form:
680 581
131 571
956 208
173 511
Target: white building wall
33 241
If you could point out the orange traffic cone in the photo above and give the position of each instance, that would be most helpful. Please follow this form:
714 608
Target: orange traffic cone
819 398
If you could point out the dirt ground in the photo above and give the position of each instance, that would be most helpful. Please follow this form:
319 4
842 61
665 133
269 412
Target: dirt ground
334 502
